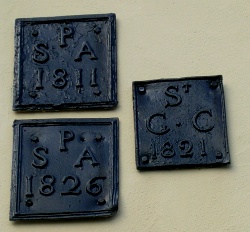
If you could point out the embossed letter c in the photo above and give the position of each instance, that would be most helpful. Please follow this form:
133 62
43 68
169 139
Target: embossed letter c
202 128
155 131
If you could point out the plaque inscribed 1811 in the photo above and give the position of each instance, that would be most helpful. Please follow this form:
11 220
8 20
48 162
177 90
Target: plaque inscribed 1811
65 63
64 168
180 123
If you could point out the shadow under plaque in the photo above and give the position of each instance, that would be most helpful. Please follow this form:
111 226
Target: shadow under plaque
65 63
64 168
180 123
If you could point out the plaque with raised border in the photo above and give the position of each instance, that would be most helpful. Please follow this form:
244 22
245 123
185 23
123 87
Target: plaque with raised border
65 63
64 168
180 123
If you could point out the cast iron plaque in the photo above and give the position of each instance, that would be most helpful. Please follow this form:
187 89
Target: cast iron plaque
65 63
64 168
180 123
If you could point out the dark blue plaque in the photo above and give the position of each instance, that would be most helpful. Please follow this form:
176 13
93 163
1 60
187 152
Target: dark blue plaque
64 168
65 63
180 123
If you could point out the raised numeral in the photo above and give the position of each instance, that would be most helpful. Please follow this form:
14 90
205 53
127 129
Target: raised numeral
39 84
154 156
73 190
78 73
46 188
186 146
168 151
203 151
29 186
93 82
94 186
60 78
93 77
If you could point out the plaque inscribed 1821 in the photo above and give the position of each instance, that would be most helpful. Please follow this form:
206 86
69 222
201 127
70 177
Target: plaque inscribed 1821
180 123
64 168
65 63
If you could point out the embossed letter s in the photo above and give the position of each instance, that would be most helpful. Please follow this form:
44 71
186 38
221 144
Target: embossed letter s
39 54
43 160
173 95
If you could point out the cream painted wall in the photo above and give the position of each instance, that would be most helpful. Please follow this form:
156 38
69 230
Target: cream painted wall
156 39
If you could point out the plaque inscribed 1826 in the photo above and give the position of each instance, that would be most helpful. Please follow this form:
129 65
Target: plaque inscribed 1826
64 168
65 63
180 123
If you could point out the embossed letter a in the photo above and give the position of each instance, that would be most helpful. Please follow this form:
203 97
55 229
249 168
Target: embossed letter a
86 49
86 155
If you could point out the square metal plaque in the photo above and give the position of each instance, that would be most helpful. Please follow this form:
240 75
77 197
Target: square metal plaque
180 123
64 168
65 63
